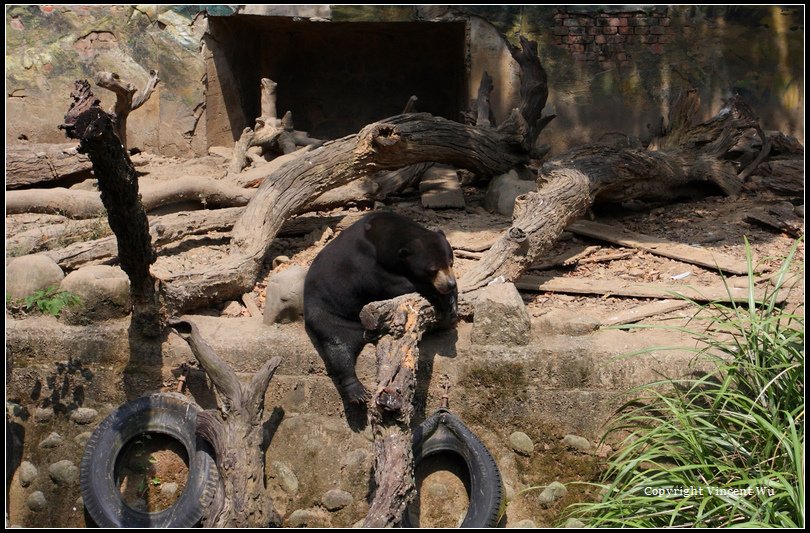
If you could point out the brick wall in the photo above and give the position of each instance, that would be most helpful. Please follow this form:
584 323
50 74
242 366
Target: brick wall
612 38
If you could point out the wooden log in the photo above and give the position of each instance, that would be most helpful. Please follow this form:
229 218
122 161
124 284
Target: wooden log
660 246
237 436
641 312
33 164
709 293
118 183
401 321
533 89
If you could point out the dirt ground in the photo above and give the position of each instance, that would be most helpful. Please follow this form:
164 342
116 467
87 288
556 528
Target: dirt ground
146 466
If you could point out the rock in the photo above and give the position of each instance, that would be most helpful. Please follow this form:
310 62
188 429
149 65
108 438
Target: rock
603 450
232 309
168 489
576 442
441 189
799 210
53 440
521 443
221 151
504 189
63 472
500 317
336 499
36 501
309 518
82 438
286 477
564 322
83 415
573 522
104 293
551 493
508 491
28 274
280 260
26 473
43 414
284 300
528 522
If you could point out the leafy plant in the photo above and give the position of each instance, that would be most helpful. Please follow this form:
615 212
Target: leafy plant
724 448
50 301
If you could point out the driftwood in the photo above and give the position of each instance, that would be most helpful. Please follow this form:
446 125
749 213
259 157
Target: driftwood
31 165
128 99
533 89
401 322
641 312
236 436
573 181
270 132
119 193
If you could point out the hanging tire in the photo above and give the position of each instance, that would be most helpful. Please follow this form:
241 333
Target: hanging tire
443 433
169 414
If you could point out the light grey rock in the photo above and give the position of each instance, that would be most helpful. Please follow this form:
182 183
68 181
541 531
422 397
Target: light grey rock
43 414
36 501
82 438
504 189
521 443
309 518
336 499
27 473
287 478
28 274
168 489
63 472
564 322
84 415
527 523
553 492
438 490
232 309
500 317
577 442
284 300
54 440
104 294
573 523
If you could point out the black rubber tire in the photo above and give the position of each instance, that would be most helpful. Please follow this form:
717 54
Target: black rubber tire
442 432
166 413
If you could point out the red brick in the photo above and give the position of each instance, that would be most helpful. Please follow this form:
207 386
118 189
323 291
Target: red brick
600 39
575 39
577 30
587 38
577 47
657 48
610 30
658 30
615 21
559 30
570 22
594 31
642 30
630 39
647 39
665 39
666 21
625 30
615 38
643 21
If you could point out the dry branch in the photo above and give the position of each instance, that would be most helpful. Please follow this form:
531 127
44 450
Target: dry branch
236 436
126 100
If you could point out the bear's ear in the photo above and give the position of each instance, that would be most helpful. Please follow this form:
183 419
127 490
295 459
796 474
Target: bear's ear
403 253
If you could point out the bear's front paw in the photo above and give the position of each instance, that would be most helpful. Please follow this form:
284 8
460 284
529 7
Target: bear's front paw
355 391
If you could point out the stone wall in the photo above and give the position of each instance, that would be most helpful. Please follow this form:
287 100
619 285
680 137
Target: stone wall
611 70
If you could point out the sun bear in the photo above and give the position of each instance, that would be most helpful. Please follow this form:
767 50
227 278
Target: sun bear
379 257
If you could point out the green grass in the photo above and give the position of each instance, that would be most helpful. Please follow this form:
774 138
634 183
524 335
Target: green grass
49 301
719 448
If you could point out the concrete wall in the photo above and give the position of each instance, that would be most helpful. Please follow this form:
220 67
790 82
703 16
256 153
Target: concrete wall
611 69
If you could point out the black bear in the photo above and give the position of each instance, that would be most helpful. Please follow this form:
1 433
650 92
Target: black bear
379 257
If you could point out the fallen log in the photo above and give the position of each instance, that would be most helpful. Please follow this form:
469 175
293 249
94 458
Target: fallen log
570 183
34 165
236 434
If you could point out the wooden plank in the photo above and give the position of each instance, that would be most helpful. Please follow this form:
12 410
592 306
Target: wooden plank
659 246
640 312
614 287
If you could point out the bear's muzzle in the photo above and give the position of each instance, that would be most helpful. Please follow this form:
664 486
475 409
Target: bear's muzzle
444 281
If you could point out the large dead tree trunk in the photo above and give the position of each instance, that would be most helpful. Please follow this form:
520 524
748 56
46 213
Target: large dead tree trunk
119 194
573 181
32 164
236 436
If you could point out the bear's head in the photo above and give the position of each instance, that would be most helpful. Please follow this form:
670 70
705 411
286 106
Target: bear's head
429 259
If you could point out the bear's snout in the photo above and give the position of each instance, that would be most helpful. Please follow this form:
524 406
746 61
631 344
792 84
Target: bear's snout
444 281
